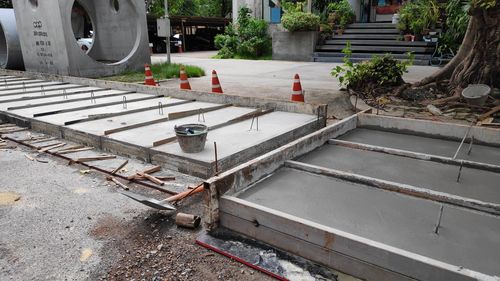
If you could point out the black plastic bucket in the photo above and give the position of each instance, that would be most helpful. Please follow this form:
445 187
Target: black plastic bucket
191 137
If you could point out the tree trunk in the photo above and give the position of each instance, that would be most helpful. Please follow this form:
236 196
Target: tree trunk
478 59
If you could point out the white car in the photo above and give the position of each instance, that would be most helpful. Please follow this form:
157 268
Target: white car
85 43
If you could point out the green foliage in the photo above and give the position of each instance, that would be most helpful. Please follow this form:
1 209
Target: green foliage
484 4
322 5
457 20
300 21
205 8
160 72
247 39
5 4
344 14
380 70
289 6
326 28
415 16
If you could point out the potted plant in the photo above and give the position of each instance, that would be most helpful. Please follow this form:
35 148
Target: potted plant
342 13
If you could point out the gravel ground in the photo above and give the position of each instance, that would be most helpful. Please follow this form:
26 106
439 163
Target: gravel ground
69 226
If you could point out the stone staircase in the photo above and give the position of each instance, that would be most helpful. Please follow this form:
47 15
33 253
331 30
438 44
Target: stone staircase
368 39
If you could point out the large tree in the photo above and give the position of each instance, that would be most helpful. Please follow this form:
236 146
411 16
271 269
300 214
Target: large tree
478 59
205 8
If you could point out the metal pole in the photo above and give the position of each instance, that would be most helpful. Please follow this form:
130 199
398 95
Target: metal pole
438 223
167 20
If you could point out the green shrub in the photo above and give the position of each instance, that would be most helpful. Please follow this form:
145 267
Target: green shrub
378 71
300 21
457 20
342 13
415 16
247 39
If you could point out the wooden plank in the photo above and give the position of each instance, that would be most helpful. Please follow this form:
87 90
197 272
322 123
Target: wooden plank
69 151
40 140
489 113
151 178
151 170
120 167
95 158
171 116
52 147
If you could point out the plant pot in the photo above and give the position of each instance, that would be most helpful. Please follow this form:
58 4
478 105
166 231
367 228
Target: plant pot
340 32
432 33
408 37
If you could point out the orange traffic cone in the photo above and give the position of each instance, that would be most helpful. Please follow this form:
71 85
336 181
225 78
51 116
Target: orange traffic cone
149 80
298 94
216 88
184 80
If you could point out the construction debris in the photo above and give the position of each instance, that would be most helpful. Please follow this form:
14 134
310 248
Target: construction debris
118 183
187 220
120 167
90 159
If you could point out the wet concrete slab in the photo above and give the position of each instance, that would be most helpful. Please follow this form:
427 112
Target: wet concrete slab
238 137
164 130
62 118
30 87
466 238
59 91
440 147
476 184
30 112
62 100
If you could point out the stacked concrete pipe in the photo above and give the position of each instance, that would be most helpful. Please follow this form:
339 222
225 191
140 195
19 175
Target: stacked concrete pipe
11 56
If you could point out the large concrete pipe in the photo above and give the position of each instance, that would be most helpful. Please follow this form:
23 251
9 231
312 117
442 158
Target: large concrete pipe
11 56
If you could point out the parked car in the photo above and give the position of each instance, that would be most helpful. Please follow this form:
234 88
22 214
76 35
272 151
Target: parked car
85 43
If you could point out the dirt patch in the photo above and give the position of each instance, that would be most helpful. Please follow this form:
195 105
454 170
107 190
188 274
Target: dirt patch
109 227
154 248
9 198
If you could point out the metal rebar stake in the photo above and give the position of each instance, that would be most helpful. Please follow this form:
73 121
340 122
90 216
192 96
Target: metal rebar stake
470 145
65 94
92 97
216 159
438 223
42 89
463 140
5 83
160 108
24 87
256 119
460 170
201 114
124 102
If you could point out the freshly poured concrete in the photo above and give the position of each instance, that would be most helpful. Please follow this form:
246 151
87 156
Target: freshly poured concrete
99 126
164 130
476 184
238 137
466 238
29 112
480 153
63 101
29 87
59 92
61 118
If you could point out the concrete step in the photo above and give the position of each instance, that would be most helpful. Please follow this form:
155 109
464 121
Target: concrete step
368 55
367 36
377 25
355 42
357 60
395 49
371 31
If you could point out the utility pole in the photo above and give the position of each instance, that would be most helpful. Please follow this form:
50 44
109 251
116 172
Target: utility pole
167 21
